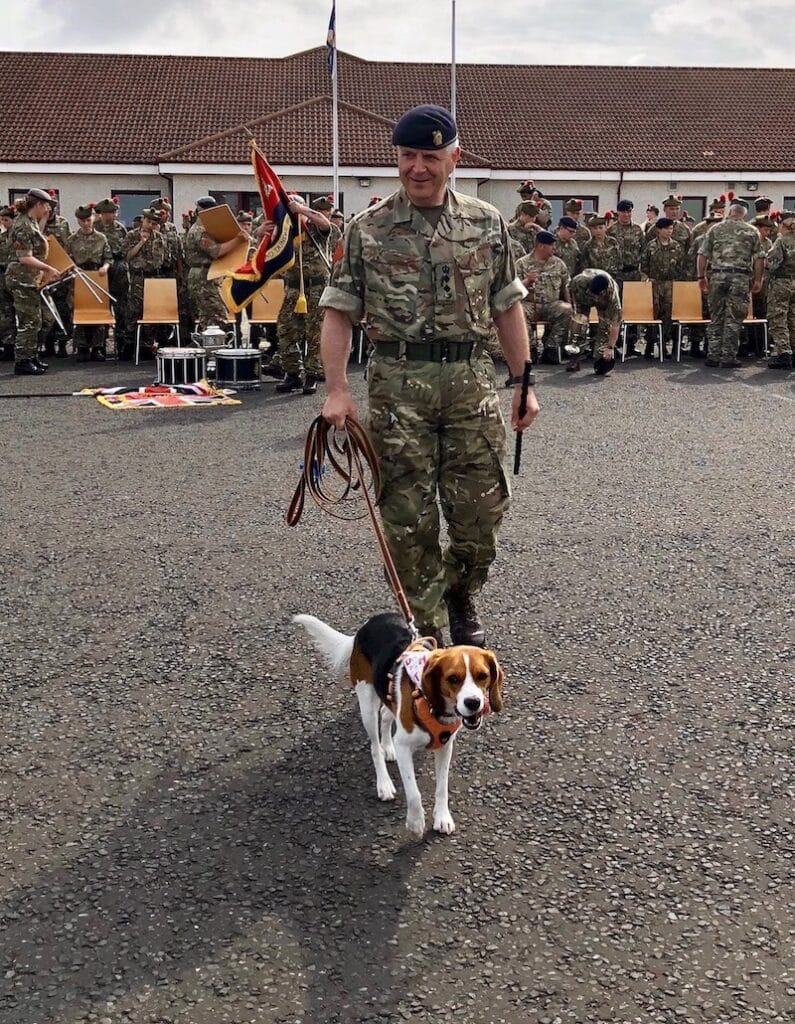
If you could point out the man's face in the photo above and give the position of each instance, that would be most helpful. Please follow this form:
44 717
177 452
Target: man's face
573 213
424 173
543 252
85 224
147 224
108 217
598 231
665 233
564 233
6 222
672 212
624 216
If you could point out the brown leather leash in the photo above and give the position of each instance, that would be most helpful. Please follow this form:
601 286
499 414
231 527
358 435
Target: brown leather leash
350 454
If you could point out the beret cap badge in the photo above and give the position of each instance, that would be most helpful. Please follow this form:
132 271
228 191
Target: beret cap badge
437 138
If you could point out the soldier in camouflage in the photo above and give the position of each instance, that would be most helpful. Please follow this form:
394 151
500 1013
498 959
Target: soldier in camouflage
630 240
52 338
781 296
672 210
144 249
572 208
601 252
547 281
27 271
528 192
663 263
755 333
523 227
296 330
7 322
729 254
431 271
697 332
566 248
118 273
89 249
596 289
206 301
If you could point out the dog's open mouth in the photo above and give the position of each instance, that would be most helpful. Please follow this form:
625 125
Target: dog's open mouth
475 721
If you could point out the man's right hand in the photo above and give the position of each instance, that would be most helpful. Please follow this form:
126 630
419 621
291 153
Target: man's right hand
338 406
703 284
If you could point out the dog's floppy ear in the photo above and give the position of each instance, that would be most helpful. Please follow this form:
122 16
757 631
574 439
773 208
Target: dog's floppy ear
495 686
432 682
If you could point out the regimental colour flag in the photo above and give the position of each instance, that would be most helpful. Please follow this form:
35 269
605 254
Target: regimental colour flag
276 250
331 41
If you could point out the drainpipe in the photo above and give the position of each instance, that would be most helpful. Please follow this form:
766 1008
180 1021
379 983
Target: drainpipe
620 185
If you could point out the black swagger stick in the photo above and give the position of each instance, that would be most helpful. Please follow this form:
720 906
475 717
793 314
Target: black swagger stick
517 452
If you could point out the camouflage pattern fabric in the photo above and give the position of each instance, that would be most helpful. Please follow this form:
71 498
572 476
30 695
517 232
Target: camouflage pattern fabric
630 241
582 236
89 251
681 234
437 426
7 322
118 277
781 295
546 300
663 264
26 240
607 305
296 331
601 256
206 302
731 249
525 236
146 263
570 253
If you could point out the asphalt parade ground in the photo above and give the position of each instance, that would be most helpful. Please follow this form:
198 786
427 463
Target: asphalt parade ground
190 832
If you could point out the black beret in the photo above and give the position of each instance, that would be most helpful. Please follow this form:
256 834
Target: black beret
664 222
599 284
545 238
624 205
737 201
206 203
568 222
762 203
425 127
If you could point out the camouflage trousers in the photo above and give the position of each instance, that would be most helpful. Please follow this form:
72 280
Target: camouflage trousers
21 283
440 438
602 333
728 303
119 287
620 278
556 316
7 321
662 292
135 308
781 315
206 301
294 329
63 297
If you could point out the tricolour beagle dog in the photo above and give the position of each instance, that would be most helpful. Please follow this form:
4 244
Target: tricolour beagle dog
427 693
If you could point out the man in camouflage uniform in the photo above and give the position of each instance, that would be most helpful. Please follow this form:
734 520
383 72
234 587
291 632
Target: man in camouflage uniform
529 193
566 248
547 281
781 296
90 251
728 254
432 271
201 249
7 323
601 253
296 329
595 289
763 207
663 263
62 295
523 227
144 249
174 264
697 332
118 273
573 208
755 333
630 240
672 210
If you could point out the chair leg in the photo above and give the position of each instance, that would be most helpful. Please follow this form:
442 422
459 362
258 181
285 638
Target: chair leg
623 342
179 342
662 345
679 344
137 344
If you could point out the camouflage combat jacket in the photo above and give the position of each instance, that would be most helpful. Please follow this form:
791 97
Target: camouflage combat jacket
552 280
200 247
89 250
569 252
417 283
315 270
27 240
694 244
630 241
59 228
150 257
681 233
525 236
663 262
115 234
6 248
781 258
173 247
601 256
608 304
732 245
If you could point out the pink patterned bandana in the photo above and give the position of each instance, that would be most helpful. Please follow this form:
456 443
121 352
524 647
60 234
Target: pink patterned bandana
414 663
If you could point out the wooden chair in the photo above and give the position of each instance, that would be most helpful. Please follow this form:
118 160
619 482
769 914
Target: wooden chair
638 308
686 310
752 321
234 320
88 311
265 307
160 307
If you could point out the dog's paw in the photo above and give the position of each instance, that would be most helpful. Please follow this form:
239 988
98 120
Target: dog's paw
444 823
415 824
389 751
386 790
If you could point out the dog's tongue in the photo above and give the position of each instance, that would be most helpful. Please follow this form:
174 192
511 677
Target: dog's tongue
486 706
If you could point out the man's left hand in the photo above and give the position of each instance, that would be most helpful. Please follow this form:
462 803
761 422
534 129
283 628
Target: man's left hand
756 287
532 408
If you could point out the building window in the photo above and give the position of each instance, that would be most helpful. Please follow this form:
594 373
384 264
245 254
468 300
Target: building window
238 201
695 206
789 202
590 204
132 203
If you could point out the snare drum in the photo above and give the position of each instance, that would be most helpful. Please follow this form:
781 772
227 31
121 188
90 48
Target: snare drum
239 368
181 365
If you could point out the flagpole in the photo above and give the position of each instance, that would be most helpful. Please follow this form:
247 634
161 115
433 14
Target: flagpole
335 128
452 79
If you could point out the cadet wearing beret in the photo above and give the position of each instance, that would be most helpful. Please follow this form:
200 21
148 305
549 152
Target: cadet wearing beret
7 320
432 273
781 298
206 303
90 250
663 262
528 190
524 226
547 280
595 289
672 209
601 253
145 251
630 239
567 248
118 273
573 209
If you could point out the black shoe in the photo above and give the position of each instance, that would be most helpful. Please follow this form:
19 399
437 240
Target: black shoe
272 370
310 385
98 354
61 353
783 361
49 347
7 354
28 368
601 367
648 352
730 364
573 365
41 365
83 355
711 361
696 353
549 357
291 384
465 626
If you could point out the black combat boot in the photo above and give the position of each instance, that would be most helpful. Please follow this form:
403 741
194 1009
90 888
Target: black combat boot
310 384
83 355
601 367
783 361
730 364
27 368
465 626
98 354
49 345
292 384
7 352
61 353
41 365
573 364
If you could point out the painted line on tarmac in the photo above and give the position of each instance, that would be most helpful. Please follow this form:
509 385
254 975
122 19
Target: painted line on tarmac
767 394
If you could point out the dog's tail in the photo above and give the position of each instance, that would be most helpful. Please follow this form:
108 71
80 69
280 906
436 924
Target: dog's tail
335 647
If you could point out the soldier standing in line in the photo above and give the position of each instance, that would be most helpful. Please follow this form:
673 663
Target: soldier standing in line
672 210
206 301
27 270
601 253
145 251
546 279
566 248
573 210
432 272
118 273
595 289
294 330
697 332
781 297
63 295
529 193
652 215
663 263
523 227
89 250
7 322
755 333
729 254
630 240
174 264
763 207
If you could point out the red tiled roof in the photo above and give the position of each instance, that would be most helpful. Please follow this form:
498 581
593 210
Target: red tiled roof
138 108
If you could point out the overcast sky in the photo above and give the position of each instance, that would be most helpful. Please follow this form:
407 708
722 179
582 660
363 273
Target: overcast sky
750 33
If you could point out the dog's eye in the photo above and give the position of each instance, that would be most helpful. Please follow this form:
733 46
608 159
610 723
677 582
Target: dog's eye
454 680
482 677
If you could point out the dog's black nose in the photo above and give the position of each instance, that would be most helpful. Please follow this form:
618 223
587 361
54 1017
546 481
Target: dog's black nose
473 703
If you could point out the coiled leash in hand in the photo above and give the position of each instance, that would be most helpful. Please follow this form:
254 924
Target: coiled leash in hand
350 454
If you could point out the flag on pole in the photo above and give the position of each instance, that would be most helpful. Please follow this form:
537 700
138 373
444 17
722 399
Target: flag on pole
331 41
276 250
